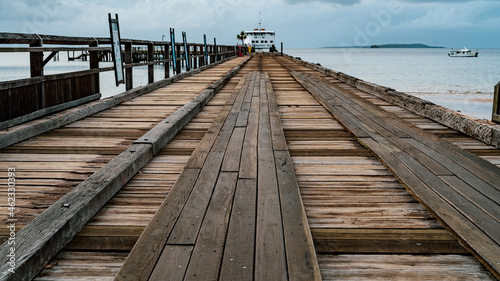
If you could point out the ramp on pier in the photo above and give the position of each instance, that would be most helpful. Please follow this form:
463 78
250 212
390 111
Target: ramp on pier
386 193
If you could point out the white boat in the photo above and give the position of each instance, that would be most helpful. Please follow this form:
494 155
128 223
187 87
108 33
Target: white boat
463 53
260 39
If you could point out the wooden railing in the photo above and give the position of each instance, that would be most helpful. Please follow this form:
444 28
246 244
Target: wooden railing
496 104
43 94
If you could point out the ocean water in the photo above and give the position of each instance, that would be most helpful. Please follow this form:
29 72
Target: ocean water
462 84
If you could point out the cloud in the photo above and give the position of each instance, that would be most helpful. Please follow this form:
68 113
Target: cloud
298 23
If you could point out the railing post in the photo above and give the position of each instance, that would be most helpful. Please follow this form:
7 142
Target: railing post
178 60
94 64
175 66
166 55
186 51
36 60
205 58
195 56
212 56
282 48
151 66
496 104
129 82
215 49
36 69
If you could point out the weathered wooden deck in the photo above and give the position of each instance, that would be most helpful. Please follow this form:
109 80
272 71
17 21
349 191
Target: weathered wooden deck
386 194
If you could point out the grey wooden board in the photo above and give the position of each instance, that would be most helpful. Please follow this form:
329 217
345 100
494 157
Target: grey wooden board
238 261
174 261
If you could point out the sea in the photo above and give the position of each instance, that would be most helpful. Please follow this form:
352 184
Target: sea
462 84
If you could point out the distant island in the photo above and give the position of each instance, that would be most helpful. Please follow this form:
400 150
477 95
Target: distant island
414 45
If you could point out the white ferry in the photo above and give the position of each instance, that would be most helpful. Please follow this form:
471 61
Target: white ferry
463 53
260 39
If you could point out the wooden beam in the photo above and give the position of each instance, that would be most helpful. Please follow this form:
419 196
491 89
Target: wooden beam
151 58
496 104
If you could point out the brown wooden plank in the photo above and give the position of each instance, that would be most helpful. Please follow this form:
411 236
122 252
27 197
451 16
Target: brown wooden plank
248 165
207 254
191 217
201 152
232 157
300 254
389 241
270 260
402 267
239 250
143 257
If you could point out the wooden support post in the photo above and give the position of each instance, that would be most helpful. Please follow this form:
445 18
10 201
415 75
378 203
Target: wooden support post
496 104
215 50
36 60
94 63
191 56
166 55
205 59
186 51
202 59
195 56
178 60
129 82
151 67
282 48
36 69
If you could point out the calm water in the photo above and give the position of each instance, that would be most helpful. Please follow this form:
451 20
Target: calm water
464 84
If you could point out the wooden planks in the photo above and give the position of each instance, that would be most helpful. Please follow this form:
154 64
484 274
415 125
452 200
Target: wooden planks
231 208
417 159
401 267
120 223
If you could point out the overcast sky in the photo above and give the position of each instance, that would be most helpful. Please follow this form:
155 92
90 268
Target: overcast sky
298 23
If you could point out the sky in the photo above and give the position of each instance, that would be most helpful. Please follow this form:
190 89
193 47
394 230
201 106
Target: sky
298 23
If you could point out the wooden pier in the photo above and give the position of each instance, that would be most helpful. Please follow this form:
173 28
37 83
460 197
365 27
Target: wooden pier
257 168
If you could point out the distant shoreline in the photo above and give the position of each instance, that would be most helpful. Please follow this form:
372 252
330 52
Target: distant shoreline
392 46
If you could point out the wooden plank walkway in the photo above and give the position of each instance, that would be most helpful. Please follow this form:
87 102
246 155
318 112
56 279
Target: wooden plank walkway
28 180
99 250
235 213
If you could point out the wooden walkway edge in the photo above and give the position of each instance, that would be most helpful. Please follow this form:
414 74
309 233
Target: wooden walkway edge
460 188
48 233
235 213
